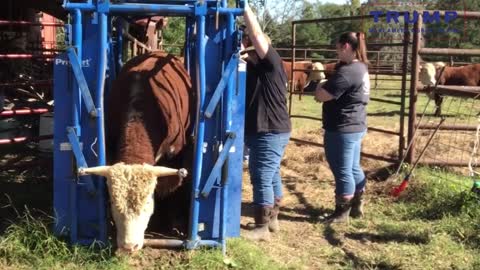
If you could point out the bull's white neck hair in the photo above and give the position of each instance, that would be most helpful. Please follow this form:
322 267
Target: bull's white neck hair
130 186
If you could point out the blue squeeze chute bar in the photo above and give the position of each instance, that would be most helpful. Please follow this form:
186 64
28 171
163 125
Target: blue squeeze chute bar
79 157
218 165
228 129
100 90
198 156
220 87
75 62
152 8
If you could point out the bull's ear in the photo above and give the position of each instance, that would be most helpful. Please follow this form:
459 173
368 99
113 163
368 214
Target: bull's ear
100 170
166 185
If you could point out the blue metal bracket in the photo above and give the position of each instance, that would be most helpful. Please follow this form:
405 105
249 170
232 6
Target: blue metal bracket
201 8
103 6
218 164
192 244
231 67
82 82
80 159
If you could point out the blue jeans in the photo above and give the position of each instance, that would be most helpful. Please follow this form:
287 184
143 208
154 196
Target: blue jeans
266 152
342 151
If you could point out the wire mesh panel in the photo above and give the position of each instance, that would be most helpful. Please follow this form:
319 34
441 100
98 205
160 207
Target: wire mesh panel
449 136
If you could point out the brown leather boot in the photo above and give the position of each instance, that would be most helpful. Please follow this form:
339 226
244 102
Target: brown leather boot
273 225
260 232
357 205
342 211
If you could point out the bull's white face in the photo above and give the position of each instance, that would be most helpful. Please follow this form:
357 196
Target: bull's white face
427 74
131 228
131 196
317 73
131 189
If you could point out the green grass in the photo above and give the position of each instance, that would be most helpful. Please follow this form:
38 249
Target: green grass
433 225
29 244
241 254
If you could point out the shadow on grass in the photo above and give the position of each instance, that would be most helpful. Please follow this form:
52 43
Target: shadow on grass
381 174
308 213
303 212
25 183
336 239
389 237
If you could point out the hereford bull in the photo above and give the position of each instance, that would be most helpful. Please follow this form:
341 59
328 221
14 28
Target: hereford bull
430 73
304 73
149 116
320 74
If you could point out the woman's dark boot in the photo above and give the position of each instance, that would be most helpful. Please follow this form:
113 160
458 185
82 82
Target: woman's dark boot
260 232
357 205
273 225
342 211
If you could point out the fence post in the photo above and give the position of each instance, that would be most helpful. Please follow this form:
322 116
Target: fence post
412 113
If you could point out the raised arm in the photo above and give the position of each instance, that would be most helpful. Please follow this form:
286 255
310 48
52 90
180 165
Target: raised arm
255 33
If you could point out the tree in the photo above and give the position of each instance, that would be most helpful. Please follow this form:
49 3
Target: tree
174 35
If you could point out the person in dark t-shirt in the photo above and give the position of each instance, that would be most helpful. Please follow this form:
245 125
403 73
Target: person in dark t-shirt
345 96
267 126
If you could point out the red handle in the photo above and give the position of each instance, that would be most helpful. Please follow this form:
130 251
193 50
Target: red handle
396 191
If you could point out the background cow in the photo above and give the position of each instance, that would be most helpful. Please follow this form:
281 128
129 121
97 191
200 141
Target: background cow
307 72
468 75
149 116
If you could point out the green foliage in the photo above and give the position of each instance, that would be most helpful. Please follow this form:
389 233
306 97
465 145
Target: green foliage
241 254
29 244
174 35
437 195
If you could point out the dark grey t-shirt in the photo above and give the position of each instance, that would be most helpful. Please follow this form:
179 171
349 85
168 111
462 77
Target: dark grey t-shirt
350 87
266 101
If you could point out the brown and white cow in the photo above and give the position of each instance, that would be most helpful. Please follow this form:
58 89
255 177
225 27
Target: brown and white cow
149 116
304 73
430 73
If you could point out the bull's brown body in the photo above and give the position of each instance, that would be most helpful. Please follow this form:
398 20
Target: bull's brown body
299 77
468 75
149 118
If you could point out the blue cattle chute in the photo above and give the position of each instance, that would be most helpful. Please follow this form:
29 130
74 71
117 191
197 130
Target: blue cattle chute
83 75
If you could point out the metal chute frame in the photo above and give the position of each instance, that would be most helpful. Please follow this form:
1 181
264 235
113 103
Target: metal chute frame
83 75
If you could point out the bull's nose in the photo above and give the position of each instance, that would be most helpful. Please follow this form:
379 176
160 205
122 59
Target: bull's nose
130 247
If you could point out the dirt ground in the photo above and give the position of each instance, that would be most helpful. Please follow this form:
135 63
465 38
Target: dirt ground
309 195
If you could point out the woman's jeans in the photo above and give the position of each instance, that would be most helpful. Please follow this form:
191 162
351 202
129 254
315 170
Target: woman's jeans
342 151
266 152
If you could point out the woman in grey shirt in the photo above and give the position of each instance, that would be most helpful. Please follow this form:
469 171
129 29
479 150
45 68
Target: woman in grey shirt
345 96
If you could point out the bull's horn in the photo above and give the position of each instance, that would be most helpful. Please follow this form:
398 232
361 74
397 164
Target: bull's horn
99 170
165 171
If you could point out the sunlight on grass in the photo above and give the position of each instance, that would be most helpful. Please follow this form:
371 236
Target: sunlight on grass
432 225
241 254
29 244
